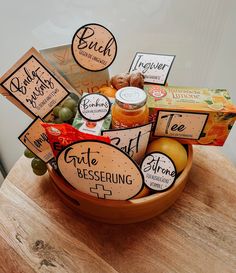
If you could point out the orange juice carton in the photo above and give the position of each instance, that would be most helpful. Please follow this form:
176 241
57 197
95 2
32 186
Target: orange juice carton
192 115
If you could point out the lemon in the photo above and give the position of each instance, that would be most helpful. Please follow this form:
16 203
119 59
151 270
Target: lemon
171 148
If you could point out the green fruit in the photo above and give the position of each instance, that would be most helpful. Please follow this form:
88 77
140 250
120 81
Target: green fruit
28 153
74 96
38 164
65 114
70 103
56 111
58 121
39 172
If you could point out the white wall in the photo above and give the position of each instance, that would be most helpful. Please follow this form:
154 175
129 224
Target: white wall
201 33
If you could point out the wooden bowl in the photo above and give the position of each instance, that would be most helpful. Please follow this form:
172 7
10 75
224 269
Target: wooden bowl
121 212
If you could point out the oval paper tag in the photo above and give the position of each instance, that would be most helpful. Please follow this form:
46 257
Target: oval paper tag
94 107
159 171
94 47
101 170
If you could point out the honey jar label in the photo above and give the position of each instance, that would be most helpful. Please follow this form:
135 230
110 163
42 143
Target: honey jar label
36 140
32 86
94 107
159 171
100 169
94 47
132 141
154 67
179 124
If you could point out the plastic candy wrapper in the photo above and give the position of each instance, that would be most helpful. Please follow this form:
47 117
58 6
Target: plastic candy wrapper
61 135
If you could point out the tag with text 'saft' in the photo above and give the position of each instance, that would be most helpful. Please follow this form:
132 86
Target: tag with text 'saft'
154 67
132 141
94 47
36 140
32 86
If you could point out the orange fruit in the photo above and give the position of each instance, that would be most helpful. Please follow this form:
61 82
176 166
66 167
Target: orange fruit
207 139
107 91
171 148
144 192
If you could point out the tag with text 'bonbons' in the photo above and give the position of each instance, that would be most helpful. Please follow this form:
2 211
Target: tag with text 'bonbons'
36 140
100 169
154 67
94 47
32 86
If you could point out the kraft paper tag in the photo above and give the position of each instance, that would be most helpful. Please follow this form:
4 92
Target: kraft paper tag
36 140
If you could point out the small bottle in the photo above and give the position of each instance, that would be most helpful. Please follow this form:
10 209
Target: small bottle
130 109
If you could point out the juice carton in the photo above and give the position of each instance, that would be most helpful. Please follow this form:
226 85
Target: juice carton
193 115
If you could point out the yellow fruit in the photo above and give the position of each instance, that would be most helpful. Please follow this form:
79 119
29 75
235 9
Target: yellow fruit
107 91
144 192
216 106
171 148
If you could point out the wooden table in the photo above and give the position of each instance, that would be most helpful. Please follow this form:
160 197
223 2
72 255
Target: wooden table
198 234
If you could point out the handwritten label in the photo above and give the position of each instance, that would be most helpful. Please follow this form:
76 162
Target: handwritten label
100 169
94 107
180 124
34 86
36 140
132 141
159 171
154 67
94 47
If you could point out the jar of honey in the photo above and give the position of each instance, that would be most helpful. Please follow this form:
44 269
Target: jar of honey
129 109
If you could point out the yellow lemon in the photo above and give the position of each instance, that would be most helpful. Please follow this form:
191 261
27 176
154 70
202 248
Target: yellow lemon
171 148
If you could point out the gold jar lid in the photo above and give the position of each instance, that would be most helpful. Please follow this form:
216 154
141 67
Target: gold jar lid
131 98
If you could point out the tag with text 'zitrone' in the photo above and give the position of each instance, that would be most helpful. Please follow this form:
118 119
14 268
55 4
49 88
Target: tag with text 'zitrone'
154 67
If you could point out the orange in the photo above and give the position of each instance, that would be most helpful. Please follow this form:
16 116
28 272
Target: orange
207 139
144 192
107 91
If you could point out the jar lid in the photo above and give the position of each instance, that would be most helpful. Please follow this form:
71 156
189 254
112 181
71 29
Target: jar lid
131 97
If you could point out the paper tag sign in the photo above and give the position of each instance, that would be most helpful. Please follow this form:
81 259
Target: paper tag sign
159 171
33 85
36 140
180 124
132 141
94 107
94 47
101 170
154 67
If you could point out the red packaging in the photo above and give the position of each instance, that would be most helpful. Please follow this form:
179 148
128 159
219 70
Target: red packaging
62 135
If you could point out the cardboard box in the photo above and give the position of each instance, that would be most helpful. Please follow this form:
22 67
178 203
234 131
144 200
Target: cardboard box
192 115
82 80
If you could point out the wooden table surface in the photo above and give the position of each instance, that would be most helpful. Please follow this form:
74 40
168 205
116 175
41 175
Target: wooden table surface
197 234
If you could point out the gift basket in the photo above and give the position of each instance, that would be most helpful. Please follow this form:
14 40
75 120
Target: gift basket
118 149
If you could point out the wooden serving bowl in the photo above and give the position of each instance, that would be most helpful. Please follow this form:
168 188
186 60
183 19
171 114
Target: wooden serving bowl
120 212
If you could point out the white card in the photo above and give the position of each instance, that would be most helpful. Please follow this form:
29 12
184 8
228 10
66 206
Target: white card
132 141
180 124
154 67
